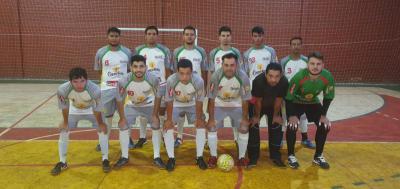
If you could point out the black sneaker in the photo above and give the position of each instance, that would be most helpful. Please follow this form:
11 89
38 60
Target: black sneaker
121 162
292 162
170 164
278 163
131 144
251 164
201 163
320 161
140 142
159 163
98 148
106 166
178 142
60 166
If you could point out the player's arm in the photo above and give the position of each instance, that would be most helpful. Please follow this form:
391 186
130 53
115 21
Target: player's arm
290 108
246 96
329 94
160 92
97 62
168 66
98 107
169 100
212 94
282 87
199 102
63 104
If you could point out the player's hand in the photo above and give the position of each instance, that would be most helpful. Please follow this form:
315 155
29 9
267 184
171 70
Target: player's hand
122 123
211 124
168 124
255 120
63 126
324 121
103 127
200 123
277 119
293 122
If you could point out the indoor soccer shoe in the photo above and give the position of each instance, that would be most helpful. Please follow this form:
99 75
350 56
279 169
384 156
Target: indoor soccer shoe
212 162
278 163
140 143
106 166
121 162
60 166
320 161
292 162
201 163
308 144
131 144
178 142
171 164
159 163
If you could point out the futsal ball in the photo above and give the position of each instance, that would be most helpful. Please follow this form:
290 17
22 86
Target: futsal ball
225 162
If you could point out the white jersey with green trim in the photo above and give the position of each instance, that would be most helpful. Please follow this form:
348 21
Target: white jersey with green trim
184 95
256 60
291 67
79 102
216 57
229 92
157 60
140 93
113 65
197 56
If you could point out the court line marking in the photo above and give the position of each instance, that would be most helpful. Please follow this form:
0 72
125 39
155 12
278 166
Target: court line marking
26 115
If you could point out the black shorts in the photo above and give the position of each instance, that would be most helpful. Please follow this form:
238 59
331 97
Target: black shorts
312 111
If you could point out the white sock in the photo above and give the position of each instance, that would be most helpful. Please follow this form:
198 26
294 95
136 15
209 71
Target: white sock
103 141
200 141
63 145
169 142
155 137
109 126
124 142
212 143
235 133
181 122
143 127
242 142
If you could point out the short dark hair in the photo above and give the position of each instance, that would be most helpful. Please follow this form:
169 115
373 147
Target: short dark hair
224 29
138 58
257 29
114 29
229 56
296 38
189 27
76 73
185 63
273 66
151 28
316 55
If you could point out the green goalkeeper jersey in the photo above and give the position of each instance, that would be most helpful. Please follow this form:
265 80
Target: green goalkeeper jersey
304 90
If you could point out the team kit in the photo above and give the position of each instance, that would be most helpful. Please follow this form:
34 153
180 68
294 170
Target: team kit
161 90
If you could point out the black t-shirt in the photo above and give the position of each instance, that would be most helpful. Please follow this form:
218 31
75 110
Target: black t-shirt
263 90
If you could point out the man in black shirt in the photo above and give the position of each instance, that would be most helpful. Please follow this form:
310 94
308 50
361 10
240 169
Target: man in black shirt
269 89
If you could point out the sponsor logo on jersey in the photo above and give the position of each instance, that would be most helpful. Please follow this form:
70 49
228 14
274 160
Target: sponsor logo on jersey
265 58
106 62
131 93
235 88
252 60
61 99
259 66
309 96
114 74
177 93
159 57
196 59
